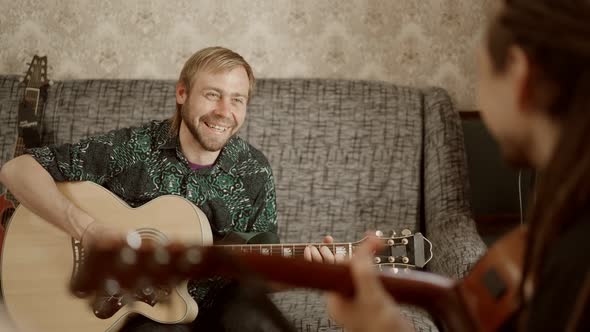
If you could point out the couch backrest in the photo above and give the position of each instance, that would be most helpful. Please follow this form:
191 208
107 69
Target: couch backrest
346 155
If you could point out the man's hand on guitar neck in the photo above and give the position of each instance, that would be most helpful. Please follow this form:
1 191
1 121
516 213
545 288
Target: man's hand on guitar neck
323 254
372 309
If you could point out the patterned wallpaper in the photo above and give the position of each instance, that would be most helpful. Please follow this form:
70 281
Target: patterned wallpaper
409 42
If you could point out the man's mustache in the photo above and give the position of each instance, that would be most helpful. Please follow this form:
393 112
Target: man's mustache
219 120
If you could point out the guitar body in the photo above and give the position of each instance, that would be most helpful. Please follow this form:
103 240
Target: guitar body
6 211
39 261
6 207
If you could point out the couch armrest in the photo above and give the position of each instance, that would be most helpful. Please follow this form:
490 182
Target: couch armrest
447 214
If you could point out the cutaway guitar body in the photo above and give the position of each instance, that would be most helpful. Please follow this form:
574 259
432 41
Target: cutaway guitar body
39 260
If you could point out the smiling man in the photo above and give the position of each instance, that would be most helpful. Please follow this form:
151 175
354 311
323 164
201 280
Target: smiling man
195 154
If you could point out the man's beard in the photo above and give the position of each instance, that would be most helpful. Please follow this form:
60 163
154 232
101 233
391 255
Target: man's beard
208 142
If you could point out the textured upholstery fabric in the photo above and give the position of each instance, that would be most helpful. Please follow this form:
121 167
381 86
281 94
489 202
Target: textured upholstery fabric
348 156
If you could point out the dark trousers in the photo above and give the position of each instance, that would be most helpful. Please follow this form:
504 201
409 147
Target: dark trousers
240 308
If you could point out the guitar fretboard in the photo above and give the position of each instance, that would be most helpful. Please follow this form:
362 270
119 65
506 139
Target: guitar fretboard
290 250
32 97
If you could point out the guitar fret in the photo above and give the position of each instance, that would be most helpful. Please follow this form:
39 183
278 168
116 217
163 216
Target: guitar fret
290 250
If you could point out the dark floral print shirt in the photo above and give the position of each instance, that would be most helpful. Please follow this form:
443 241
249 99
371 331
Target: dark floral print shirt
138 164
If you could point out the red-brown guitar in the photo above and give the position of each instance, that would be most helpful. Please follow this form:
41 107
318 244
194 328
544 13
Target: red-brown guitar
29 121
482 301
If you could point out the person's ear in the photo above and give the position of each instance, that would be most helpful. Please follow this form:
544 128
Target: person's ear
532 91
181 93
520 73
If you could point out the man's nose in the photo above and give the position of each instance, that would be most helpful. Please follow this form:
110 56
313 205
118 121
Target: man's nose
223 107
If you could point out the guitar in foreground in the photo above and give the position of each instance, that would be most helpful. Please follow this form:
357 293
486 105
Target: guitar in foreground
39 261
482 301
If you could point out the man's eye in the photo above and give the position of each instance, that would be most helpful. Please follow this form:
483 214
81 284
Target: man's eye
212 95
239 100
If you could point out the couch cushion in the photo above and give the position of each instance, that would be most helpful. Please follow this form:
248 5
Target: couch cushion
346 155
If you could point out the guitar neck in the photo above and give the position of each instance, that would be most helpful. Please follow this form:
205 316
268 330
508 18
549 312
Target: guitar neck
31 97
436 294
19 147
289 250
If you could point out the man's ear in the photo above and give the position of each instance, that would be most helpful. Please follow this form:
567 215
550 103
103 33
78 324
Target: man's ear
181 93
521 77
532 91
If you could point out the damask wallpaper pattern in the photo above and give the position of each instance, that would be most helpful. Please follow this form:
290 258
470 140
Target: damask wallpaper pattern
409 42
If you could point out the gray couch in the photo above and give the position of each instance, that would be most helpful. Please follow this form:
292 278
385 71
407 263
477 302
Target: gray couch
348 156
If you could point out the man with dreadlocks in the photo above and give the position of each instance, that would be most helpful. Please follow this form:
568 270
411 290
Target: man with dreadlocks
534 83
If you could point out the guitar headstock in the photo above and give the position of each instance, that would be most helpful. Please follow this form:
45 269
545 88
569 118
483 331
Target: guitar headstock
402 251
36 75
117 267
30 112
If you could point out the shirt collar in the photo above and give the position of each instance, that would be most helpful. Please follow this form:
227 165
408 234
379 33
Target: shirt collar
170 143
165 138
225 160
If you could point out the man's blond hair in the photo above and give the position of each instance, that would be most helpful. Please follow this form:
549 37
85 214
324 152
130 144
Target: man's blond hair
211 59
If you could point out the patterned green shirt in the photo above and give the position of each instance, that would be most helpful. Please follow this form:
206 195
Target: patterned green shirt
138 164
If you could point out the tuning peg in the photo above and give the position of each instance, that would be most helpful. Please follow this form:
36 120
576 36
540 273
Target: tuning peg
391 259
128 256
390 242
406 260
406 232
161 256
405 241
133 239
393 233
111 287
149 290
379 233
193 256
377 260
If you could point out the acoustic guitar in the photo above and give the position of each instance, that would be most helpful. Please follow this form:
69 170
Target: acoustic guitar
480 302
39 261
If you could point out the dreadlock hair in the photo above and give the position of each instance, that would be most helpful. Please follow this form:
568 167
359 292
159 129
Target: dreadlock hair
553 34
